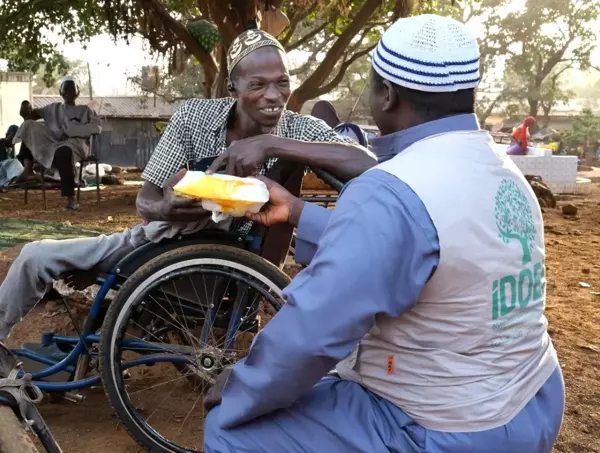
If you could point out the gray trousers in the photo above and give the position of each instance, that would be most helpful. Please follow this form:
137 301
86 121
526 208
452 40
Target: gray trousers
42 262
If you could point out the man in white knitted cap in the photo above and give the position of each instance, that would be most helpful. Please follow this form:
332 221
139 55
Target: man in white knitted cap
426 292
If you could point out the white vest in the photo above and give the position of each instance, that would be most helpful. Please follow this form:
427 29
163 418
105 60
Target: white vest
474 349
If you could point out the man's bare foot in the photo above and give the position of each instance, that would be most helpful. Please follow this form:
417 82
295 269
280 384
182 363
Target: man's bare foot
27 177
72 205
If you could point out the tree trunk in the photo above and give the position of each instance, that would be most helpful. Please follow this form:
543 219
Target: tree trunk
546 117
309 88
296 102
220 88
232 18
485 114
534 107
177 28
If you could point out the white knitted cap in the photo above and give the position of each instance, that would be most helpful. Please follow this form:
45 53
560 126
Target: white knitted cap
428 53
66 79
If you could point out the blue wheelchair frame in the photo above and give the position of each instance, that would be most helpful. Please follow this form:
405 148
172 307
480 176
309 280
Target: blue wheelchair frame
113 280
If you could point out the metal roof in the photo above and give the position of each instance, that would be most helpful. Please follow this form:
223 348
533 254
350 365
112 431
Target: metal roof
120 107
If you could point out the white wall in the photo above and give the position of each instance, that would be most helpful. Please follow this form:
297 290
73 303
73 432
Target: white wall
15 87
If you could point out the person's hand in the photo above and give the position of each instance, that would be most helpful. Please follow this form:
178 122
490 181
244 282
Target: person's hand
243 158
214 396
282 206
179 209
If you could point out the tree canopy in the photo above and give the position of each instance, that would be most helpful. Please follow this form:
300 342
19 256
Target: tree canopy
47 83
585 131
538 45
345 31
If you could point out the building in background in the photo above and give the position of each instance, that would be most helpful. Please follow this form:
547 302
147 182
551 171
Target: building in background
129 134
15 87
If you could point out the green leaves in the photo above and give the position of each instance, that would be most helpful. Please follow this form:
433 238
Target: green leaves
26 24
585 130
541 41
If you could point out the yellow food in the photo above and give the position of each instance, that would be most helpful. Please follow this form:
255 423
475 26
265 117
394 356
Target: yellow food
225 195
210 188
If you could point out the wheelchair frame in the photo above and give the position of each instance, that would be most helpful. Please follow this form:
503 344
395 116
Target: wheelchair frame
77 358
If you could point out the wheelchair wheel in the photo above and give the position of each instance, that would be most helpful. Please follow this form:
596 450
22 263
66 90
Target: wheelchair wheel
171 329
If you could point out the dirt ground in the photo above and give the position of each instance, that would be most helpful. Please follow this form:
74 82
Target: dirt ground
573 248
115 211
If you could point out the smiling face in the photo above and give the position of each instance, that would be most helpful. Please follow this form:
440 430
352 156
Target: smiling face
261 85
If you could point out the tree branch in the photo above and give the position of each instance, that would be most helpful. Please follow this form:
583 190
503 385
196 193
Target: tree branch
33 7
343 68
230 18
206 60
305 38
556 58
341 44
203 7
310 60
363 35
286 38
297 17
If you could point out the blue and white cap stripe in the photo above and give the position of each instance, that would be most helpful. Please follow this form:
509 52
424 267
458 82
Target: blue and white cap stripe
428 53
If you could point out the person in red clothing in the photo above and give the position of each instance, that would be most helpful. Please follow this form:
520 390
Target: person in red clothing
520 137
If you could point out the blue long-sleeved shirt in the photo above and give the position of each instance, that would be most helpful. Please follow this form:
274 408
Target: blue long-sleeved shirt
375 253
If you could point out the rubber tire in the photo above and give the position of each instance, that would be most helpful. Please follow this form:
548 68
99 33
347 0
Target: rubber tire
111 386
13 438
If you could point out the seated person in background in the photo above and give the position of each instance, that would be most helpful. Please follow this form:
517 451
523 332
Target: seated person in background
263 131
353 132
10 168
62 139
520 137
325 111
7 148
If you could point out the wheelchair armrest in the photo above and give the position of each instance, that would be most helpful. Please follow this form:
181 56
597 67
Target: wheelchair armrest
328 178
140 256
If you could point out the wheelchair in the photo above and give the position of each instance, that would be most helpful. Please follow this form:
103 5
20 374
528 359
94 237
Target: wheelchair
165 322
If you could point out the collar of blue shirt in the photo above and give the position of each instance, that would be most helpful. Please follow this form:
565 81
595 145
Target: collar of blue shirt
389 145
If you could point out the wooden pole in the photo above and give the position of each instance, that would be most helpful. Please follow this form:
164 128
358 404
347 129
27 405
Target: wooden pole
90 82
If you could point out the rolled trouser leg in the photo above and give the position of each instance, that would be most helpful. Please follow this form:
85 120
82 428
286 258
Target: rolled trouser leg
42 262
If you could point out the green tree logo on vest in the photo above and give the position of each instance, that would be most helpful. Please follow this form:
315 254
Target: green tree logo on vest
514 219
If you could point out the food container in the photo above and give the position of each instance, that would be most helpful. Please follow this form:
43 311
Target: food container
224 195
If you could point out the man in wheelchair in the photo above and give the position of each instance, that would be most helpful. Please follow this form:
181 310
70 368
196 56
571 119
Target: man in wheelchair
425 291
251 130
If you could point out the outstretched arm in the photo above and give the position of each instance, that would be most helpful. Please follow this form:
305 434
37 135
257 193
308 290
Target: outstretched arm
314 144
345 160
319 146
